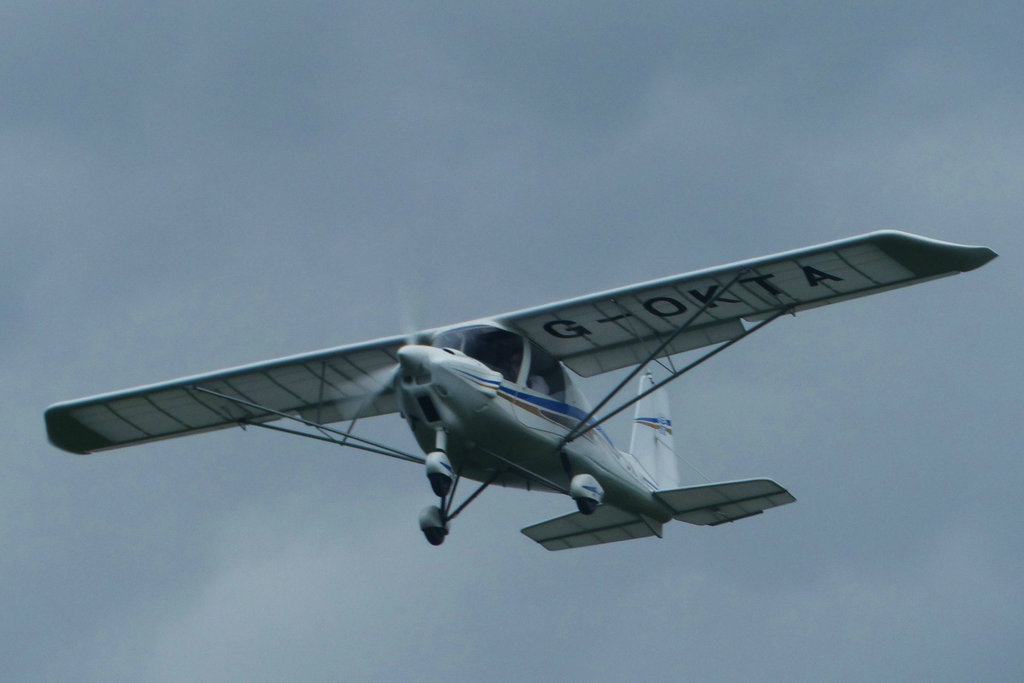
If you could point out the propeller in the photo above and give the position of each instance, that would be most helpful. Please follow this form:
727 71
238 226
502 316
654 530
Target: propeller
383 381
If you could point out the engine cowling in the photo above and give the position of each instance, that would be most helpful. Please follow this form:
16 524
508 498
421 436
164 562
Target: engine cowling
587 492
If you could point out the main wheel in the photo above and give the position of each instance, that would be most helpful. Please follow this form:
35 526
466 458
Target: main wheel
439 472
587 505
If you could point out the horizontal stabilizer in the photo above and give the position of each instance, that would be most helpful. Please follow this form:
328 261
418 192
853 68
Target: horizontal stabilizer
728 501
606 525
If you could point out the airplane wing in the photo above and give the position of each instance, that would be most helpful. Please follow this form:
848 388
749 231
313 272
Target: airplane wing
607 524
590 334
323 386
610 330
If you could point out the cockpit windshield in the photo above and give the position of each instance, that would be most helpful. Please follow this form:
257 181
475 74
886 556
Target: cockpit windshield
500 350
545 376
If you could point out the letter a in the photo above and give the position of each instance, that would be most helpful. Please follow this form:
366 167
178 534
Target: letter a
814 276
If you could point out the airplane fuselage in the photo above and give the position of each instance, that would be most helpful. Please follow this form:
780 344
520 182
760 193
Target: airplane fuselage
499 428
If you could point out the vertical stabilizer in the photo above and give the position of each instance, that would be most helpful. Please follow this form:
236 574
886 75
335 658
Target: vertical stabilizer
652 437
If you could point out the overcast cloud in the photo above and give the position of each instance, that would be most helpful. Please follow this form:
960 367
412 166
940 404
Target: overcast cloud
188 186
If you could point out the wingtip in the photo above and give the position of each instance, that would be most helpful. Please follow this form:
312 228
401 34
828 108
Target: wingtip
68 434
925 255
980 256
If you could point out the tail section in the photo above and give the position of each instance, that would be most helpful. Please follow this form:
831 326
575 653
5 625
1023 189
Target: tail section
651 447
651 444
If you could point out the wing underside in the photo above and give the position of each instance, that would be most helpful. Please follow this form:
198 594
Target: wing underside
325 386
618 328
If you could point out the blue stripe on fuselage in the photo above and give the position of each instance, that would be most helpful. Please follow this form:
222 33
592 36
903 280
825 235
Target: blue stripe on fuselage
543 402
550 404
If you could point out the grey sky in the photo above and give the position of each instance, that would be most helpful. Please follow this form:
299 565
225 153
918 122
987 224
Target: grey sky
190 186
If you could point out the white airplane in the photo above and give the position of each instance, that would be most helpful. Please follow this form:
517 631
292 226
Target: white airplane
495 400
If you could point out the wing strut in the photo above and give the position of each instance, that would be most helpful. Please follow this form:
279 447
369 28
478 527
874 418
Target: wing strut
447 504
326 432
578 430
449 516
582 428
522 471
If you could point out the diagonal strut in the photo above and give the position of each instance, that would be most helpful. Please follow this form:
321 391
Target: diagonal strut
581 427
362 443
577 432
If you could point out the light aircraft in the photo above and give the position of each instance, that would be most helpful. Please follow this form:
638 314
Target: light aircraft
496 400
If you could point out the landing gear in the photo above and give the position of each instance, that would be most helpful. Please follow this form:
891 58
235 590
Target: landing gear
433 524
434 519
435 536
587 493
439 468
439 472
444 479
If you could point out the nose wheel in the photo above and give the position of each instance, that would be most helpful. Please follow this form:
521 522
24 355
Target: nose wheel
435 536
444 479
433 524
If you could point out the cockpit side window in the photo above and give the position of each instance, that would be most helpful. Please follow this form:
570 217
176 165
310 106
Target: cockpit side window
500 350
546 375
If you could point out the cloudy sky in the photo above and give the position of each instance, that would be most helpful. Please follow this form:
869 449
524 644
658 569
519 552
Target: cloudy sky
188 186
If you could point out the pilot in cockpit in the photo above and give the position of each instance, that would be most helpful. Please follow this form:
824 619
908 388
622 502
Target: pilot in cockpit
511 364
538 384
